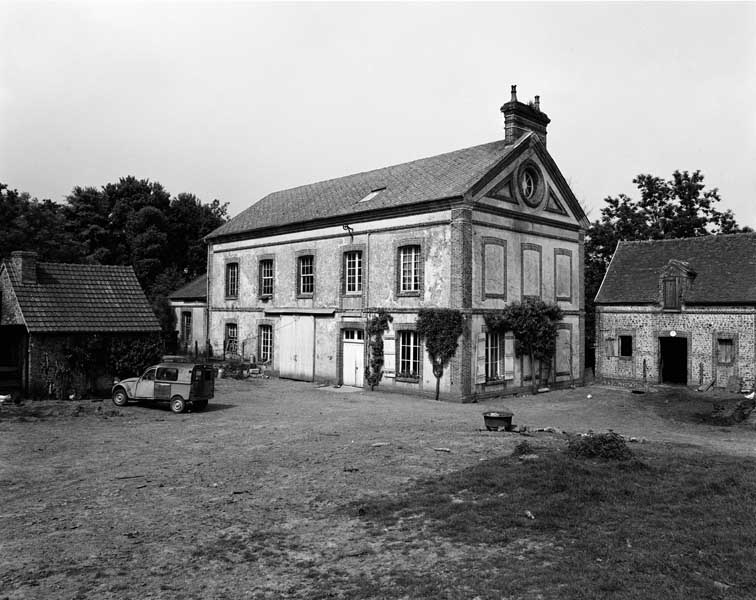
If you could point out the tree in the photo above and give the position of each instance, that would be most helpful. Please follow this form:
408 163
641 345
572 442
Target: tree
677 208
533 323
440 328
38 225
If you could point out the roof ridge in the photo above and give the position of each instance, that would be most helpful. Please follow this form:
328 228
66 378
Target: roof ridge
392 166
695 237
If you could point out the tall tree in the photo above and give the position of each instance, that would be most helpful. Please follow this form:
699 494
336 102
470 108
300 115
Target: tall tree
675 208
30 224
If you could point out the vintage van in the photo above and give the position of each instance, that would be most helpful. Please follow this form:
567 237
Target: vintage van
183 384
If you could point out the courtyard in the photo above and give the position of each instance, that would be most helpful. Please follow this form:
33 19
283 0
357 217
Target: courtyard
275 491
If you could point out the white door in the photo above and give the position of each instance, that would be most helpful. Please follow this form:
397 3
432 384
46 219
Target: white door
353 368
296 338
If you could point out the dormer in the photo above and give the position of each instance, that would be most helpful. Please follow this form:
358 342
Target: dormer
675 280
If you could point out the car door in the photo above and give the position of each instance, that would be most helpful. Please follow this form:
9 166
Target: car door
145 387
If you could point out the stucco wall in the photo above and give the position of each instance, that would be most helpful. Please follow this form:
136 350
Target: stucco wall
701 327
379 242
199 316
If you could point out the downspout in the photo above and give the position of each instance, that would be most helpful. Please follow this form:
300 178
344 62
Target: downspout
207 296
367 275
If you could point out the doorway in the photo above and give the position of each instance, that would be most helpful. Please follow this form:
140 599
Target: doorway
673 360
296 339
353 365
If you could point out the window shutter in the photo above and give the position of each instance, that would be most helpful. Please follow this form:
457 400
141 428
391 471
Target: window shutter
509 357
389 355
480 359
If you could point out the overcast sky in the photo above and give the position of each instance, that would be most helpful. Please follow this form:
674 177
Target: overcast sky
236 100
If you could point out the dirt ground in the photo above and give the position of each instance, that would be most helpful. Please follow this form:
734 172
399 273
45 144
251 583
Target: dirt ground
254 498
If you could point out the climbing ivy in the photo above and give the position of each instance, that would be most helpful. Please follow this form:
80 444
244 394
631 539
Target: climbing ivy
375 328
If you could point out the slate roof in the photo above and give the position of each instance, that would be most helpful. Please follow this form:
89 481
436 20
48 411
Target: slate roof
438 177
83 298
725 267
194 290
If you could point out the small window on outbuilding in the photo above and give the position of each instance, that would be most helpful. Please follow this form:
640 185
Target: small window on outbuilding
671 295
626 346
725 351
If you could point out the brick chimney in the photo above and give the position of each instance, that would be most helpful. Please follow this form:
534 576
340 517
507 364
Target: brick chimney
25 264
519 118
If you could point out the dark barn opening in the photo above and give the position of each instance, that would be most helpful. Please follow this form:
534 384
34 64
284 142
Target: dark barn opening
673 355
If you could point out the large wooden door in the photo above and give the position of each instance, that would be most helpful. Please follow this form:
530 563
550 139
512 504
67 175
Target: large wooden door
296 335
353 366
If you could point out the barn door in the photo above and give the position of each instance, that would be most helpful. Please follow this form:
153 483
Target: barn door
296 335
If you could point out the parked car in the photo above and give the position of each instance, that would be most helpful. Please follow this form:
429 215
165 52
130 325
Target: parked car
182 384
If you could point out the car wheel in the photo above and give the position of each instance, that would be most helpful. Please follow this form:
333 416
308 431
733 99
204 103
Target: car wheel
177 404
120 398
200 405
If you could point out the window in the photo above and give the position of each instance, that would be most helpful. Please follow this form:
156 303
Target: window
671 297
531 270
528 184
725 351
265 343
494 367
167 374
409 355
232 280
494 268
231 344
149 375
265 269
354 335
353 272
306 275
409 269
626 346
186 326
563 274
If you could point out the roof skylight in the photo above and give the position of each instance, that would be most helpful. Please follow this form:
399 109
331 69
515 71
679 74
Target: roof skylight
372 194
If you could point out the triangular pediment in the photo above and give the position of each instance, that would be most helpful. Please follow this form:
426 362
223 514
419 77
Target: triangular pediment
527 177
503 191
553 204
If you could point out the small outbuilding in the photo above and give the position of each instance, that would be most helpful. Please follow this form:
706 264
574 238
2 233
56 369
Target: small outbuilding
189 305
679 311
64 326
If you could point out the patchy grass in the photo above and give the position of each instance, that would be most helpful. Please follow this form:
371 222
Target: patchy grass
670 523
687 405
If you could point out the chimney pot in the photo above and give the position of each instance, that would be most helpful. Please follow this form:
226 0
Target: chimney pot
520 119
25 264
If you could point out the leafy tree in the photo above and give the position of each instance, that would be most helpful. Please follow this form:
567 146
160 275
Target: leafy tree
533 323
675 208
30 224
190 221
441 328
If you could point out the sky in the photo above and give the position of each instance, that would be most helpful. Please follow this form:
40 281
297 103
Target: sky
234 100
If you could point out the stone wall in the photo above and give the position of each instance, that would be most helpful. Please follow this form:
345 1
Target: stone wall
699 327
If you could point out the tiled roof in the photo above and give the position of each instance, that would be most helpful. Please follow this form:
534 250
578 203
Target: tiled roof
725 267
194 290
437 177
83 298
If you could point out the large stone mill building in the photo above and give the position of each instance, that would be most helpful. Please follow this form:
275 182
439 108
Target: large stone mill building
293 279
